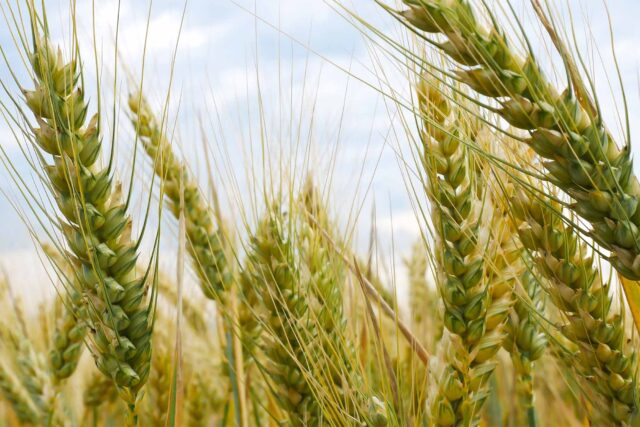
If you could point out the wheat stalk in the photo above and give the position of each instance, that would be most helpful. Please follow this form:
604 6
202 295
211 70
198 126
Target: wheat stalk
584 160
95 223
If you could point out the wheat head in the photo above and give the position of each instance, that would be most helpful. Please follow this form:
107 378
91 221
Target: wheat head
94 221
583 159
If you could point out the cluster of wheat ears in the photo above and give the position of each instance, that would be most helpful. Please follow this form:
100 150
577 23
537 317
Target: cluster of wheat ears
522 298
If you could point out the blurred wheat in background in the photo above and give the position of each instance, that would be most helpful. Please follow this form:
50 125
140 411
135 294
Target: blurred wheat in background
207 266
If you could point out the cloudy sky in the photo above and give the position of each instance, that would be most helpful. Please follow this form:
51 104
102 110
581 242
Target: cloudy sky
280 73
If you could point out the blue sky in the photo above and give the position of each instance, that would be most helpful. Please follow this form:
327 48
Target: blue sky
296 63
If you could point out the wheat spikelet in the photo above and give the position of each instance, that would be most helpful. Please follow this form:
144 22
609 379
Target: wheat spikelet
584 160
95 223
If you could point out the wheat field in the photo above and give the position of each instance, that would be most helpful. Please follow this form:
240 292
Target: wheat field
191 267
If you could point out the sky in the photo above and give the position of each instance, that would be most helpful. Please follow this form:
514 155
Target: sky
277 73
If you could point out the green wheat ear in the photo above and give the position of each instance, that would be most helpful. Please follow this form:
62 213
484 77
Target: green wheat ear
22 404
206 242
577 289
583 159
93 220
475 307
324 279
71 324
272 269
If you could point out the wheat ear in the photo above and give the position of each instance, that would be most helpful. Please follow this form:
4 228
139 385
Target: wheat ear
94 221
272 269
474 312
71 329
191 311
423 299
584 160
577 290
325 276
159 384
98 390
526 341
17 396
206 244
